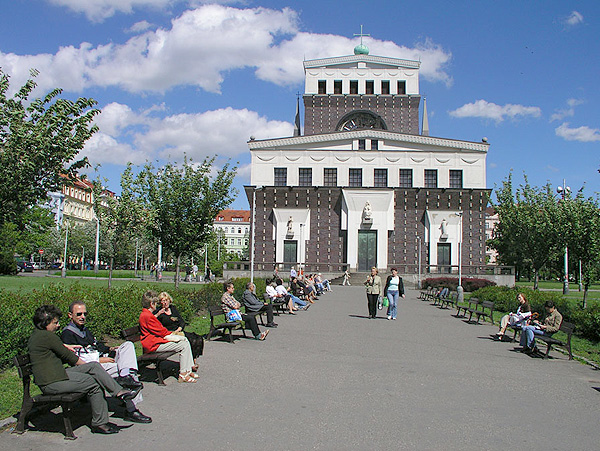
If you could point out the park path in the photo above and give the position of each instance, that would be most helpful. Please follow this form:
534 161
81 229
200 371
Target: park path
330 379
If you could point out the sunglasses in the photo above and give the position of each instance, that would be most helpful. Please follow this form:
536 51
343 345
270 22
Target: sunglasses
81 314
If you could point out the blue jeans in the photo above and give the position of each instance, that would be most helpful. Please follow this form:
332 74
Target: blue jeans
528 336
393 303
298 301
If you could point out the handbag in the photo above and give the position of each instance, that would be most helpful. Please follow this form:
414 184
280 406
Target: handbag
89 354
174 337
386 302
234 315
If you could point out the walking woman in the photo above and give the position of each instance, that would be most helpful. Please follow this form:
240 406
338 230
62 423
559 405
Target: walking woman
373 285
394 288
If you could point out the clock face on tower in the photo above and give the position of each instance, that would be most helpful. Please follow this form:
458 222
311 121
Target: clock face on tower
360 120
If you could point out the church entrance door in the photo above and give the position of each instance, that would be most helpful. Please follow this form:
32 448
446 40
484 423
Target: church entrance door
367 249
290 253
443 257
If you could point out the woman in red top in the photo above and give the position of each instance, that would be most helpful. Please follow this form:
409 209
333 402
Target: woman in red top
153 338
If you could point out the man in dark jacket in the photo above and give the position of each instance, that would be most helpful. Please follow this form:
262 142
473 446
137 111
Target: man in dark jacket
254 305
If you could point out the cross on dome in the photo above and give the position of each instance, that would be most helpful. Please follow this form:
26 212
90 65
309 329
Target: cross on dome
361 49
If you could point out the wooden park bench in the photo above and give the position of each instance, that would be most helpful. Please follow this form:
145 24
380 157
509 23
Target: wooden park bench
450 300
225 327
65 400
568 329
424 294
482 310
471 303
147 358
279 305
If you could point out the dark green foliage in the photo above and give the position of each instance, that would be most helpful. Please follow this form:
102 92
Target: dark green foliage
8 237
469 284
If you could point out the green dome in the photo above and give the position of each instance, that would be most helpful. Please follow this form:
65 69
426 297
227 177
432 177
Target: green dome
361 49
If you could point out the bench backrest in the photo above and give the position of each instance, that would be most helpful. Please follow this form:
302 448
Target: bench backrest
487 304
23 364
567 328
215 310
474 301
131 333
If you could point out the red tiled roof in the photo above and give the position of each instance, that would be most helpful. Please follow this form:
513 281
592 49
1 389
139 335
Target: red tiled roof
228 215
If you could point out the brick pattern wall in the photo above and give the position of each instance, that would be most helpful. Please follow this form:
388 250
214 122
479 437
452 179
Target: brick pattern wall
323 112
327 242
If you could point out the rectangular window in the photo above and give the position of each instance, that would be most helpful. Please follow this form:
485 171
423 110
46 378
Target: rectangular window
370 87
322 86
337 87
355 178
431 178
353 86
401 87
361 144
374 144
380 178
280 177
456 178
385 87
305 177
406 178
330 177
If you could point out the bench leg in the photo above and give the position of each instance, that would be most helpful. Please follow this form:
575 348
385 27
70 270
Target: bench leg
159 373
66 410
25 409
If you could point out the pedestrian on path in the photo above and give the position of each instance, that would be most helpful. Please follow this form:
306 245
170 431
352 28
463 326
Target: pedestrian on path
346 280
373 286
394 287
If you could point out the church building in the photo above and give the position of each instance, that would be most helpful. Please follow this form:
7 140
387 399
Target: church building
365 185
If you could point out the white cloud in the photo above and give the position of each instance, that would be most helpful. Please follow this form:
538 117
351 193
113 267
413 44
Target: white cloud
498 113
566 112
583 134
129 136
575 18
99 10
552 168
140 26
201 46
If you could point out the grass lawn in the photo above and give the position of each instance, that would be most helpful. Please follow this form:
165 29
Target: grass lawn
555 285
11 395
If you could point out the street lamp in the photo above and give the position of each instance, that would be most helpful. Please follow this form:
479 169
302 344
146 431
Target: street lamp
459 289
63 272
253 231
419 261
97 245
564 191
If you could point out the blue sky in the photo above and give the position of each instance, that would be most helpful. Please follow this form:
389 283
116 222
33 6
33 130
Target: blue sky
176 77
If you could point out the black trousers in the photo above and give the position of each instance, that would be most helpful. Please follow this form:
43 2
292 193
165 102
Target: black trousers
372 302
250 322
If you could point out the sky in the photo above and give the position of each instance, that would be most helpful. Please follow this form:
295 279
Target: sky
195 79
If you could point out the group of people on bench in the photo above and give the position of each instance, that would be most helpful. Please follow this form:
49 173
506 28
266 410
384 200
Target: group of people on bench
96 369
522 319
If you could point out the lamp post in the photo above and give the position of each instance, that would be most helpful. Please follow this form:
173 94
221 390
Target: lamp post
159 263
459 288
63 272
82 256
97 245
564 191
253 231
419 261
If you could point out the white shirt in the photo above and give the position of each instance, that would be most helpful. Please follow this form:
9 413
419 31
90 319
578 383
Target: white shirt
281 290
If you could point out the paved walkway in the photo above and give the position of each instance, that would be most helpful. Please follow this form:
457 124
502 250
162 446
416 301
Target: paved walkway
330 379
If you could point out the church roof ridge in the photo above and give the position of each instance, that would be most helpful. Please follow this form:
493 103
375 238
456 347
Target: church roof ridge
337 60
369 133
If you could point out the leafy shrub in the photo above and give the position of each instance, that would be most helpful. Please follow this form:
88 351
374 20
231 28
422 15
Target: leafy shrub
469 284
110 310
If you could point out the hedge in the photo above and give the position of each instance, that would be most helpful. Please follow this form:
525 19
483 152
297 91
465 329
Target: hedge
469 284
111 310
587 321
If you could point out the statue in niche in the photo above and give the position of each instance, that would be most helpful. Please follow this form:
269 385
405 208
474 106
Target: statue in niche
290 225
444 229
367 212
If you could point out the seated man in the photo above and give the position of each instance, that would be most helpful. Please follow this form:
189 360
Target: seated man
48 355
550 325
254 305
122 366
324 282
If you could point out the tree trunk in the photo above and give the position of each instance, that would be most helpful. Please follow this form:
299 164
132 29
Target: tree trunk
585 293
110 269
177 272
536 279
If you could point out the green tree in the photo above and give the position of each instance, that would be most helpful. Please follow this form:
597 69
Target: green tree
580 218
39 141
181 203
528 231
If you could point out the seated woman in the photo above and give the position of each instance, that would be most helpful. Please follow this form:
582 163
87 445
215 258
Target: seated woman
48 354
156 338
284 292
169 316
518 318
228 303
